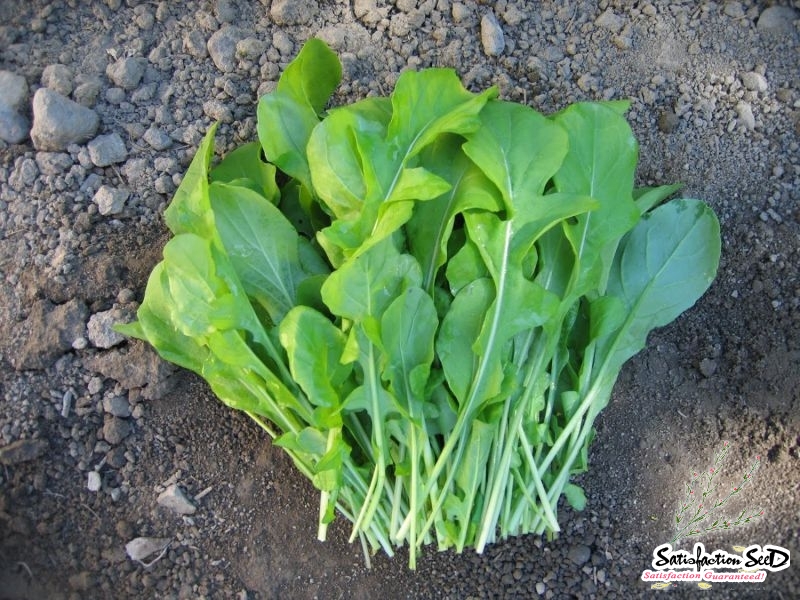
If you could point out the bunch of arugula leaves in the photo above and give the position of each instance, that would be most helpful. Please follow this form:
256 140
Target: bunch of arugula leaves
424 299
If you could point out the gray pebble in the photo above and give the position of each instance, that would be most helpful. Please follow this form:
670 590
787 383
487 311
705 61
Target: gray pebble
117 406
222 48
708 367
755 81
157 139
53 163
13 90
93 481
293 12
777 19
25 173
610 21
105 150
492 37
14 127
142 547
115 430
540 588
194 43
59 122
746 117
115 95
127 72
218 111
110 200
226 11
733 9
579 554
174 499
87 90
22 451
100 328
58 78
251 48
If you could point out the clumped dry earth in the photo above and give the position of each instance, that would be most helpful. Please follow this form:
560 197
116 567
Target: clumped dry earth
93 429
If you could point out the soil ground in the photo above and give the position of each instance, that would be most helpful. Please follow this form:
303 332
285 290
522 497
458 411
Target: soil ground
715 90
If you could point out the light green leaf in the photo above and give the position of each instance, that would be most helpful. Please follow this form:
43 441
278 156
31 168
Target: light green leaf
601 163
431 224
518 149
244 163
263 247
649 197
312 76
408 329
314 348
189 210
575 496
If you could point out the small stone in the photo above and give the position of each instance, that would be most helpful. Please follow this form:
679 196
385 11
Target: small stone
59 122
194 43
540 588
58 78
117 406
100 328
251 48
492 37
734 10
22 451
513 16
157 138
293 12
579 554
461 12
105 150
746 117
610 20
115 95
127 72
226 11
53 163
14 127
174 499
708 367
222 48
777 19
48 332
93 481
668 121
115 430
110 200
13 90
218 111
142 547
755 81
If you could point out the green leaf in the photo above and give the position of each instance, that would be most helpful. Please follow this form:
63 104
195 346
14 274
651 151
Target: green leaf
661 268
245 164
575 496
314 348
425 105
518 149
460 328
189 210
649 197
431 224
263 248
408 329
601 163
284 128
365 286
312 76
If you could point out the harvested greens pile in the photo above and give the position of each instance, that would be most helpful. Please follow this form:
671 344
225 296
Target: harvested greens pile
425 299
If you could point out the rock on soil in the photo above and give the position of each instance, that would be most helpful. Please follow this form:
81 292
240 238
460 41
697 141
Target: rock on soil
22 451
14 126
59 122
174 499
48 332
110 200
105 150
492 36
778 19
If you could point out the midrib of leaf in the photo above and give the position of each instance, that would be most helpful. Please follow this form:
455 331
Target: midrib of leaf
427 282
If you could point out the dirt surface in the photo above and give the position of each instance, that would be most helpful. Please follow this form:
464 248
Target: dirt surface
93 429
